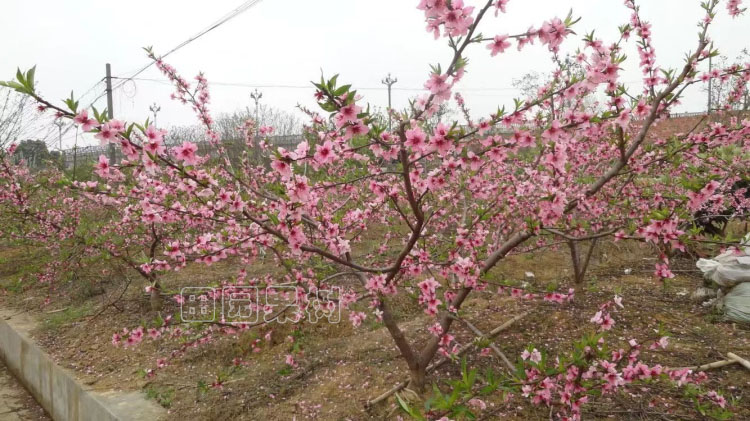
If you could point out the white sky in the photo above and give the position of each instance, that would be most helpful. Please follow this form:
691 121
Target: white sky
288 42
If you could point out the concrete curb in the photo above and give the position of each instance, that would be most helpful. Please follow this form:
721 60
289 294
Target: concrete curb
56 389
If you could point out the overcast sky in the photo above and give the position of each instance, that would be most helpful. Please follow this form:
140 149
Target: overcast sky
288 42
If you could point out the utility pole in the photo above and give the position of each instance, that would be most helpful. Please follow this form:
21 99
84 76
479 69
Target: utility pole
110 112
390 82
710 85
59 123
154 109
256 95
75 155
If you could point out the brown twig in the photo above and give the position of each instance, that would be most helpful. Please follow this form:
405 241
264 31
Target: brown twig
492 345
441 362
113 302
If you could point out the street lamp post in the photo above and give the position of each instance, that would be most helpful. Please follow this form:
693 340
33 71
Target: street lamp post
389 82
154 109
59 123
256 95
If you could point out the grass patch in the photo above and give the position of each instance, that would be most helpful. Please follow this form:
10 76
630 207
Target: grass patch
55 321
162 396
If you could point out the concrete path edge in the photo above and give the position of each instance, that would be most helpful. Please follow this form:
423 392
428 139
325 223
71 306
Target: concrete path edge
56 389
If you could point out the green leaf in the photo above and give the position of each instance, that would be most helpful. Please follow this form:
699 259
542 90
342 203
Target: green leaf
13 85
405 407
328 107
129 131
332 82
342 90
30 78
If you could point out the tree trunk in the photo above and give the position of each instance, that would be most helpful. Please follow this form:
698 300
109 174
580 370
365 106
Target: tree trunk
416 369
155 299
579 267
417 380
577 276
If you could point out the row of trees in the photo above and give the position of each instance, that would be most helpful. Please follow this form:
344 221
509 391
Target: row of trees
444 202
16 112
723 93
229 126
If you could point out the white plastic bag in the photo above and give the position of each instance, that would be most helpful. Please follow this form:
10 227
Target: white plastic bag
729 268
736 303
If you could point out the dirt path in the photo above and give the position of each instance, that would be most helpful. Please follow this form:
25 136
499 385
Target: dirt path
15 402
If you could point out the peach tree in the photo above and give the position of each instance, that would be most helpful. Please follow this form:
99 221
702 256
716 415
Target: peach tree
444 203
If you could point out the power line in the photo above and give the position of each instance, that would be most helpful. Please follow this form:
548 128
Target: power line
229 16
287 86
91 88
232 14
290 86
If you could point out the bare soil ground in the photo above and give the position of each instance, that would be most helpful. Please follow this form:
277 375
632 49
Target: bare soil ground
342 367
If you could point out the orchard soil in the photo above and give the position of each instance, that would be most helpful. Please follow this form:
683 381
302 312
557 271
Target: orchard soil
341 367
